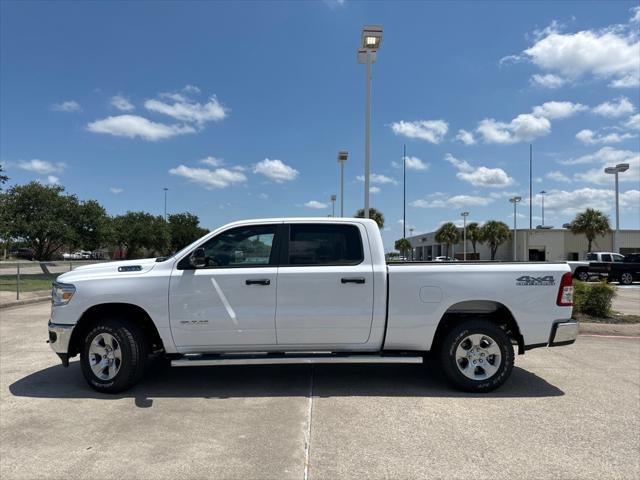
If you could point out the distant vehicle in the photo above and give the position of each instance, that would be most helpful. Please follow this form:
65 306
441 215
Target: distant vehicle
580 269
444 259
25 253
623 270
79 255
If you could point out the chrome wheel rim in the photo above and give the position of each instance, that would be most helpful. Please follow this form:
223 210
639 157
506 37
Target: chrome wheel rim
583 276
626 278
105 356
478 356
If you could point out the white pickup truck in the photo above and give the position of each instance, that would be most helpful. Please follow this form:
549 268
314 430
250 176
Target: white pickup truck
306 290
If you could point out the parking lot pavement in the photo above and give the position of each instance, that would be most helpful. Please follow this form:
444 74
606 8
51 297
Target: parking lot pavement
627 300
570 412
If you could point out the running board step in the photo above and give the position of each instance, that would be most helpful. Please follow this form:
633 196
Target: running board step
203 360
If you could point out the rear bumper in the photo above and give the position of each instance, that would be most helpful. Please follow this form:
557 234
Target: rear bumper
59 338
564 333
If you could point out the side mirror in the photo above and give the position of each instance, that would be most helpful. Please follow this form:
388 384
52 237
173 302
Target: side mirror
198 259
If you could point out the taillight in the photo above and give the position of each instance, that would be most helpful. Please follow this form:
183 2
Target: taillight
565 292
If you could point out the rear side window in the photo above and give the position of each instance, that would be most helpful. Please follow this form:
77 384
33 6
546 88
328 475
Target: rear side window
592 257
328 244
606 257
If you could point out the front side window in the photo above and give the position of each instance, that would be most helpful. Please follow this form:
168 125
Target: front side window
241 247
592 257
618 258
325 244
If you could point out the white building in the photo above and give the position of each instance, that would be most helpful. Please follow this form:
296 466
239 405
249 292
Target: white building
535 245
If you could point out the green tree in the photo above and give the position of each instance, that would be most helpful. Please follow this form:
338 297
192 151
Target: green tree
141 230
3 177
474 235
40 215
92 227
184 228
448 234
591 223
495 233
403 246
374 214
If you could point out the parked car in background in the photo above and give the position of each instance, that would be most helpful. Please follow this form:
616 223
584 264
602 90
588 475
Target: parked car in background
581 271
624 270
444 259
79 255
24 253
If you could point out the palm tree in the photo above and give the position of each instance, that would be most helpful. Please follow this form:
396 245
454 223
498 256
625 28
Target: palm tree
592 223
403 246
474 235
448 234
374 214
495 233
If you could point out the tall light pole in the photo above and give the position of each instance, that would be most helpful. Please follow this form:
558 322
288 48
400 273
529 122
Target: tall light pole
342 158
515 201
621 167
165 203
410 235
333 205
464 235
370 40
404 191
542 192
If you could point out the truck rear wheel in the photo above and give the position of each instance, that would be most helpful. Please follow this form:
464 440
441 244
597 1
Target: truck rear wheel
625 278
477 356
113 355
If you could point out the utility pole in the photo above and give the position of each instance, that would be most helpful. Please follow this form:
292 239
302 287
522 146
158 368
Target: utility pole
530 186
165 203
404 191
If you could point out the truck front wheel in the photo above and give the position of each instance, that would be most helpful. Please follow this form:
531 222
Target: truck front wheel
477 356
582 275
113 355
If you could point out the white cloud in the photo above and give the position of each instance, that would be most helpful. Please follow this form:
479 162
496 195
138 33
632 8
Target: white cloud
633 122
573 202
375 189
612 53
68 106
186 110
607 156
116 190
132 126
53 180
191 89
316 205
212 161
558 110
456 201
589 137
41 167
466 137
479 176
414 163
635 14
547 81
276 170
558 176
432 131
122 103
524 127
218 178
377 178
619 107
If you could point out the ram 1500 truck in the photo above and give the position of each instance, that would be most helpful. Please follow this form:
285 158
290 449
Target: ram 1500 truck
306 290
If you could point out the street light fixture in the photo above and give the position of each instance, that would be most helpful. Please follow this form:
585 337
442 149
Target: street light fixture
542 192
371 39
342 158
464 235
619 168
515 201
333 205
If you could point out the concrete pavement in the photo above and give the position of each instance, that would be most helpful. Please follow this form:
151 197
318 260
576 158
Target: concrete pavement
627 300
570 412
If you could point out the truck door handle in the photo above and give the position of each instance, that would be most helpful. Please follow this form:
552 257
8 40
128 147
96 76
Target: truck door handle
353 280
262 281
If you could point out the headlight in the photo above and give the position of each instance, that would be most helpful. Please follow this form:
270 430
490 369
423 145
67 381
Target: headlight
61 293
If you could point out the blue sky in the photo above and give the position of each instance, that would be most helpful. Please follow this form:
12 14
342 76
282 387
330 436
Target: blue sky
240 108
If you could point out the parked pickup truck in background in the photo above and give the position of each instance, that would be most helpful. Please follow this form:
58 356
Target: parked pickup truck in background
306 290
581 271
624 270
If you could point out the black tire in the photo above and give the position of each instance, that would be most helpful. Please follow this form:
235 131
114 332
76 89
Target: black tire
625 278
133 348
582 275
453 372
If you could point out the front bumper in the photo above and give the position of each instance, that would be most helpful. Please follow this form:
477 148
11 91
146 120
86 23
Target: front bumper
59 339
564 333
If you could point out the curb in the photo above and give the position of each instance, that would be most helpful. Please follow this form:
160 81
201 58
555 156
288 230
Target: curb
615 329
26 301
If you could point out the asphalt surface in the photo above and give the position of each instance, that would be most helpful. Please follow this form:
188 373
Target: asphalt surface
569 412
627 299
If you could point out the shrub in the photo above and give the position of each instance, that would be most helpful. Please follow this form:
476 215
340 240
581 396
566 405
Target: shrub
593 299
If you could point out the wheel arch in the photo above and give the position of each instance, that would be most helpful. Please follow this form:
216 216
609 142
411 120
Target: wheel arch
490 310
125 311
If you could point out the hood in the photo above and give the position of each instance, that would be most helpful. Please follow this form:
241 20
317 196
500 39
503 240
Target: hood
124 268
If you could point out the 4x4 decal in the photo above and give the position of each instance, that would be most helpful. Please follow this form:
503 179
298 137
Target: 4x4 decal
526 280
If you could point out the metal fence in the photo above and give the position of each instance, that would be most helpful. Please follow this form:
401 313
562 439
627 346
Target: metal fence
24 279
